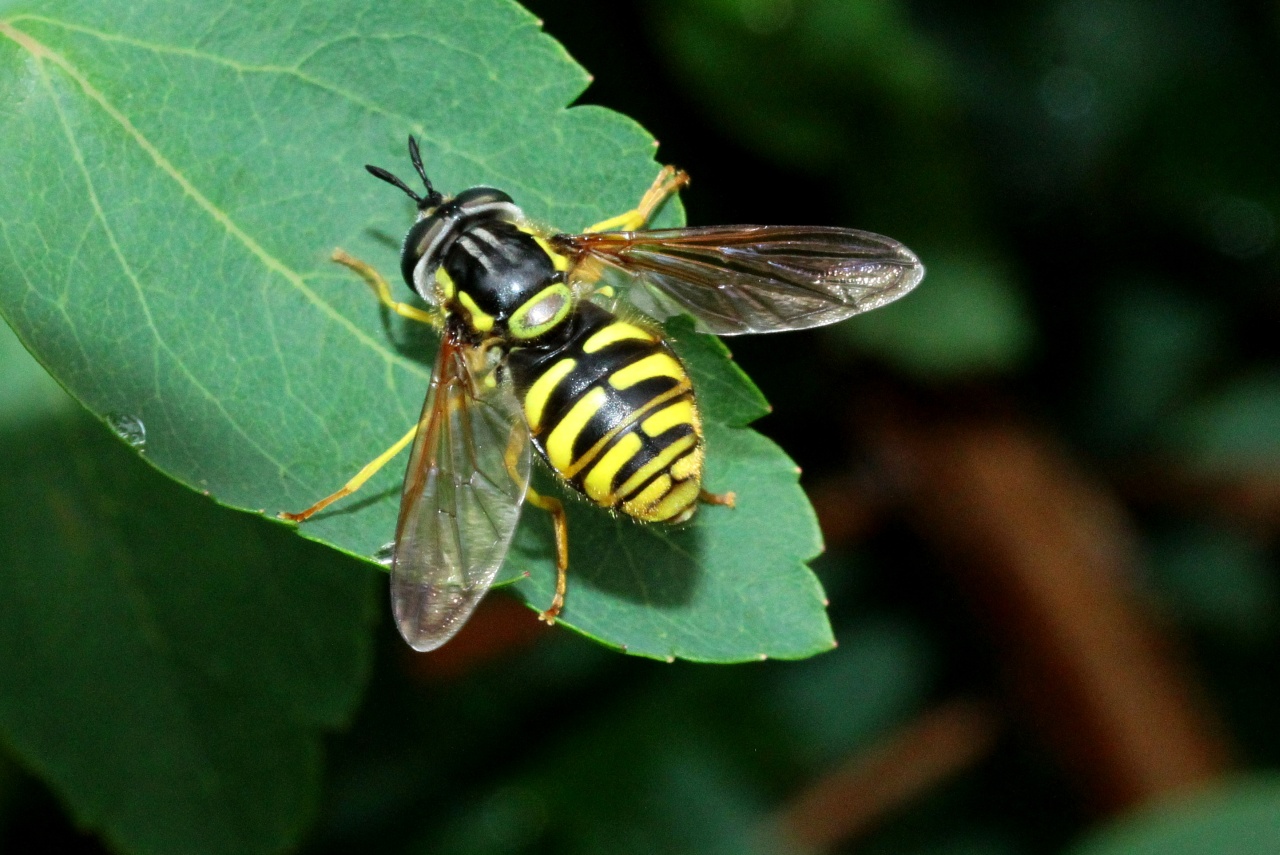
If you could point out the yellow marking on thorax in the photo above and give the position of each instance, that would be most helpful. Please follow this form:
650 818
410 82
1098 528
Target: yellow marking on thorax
445 281
616 331
558 261
560 441
655 365
599 480
535 400
679 413
659 463
482 321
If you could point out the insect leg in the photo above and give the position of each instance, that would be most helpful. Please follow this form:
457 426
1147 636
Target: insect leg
561 523
355 483
383 290
729 499
668 182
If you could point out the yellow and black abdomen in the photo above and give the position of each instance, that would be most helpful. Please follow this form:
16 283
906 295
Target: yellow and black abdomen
612 410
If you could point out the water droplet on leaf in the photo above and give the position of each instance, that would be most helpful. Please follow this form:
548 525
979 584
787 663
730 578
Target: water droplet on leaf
129 428
385 553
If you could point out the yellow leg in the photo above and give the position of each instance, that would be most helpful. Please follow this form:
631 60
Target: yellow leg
728 499
383 290
561 523
355 483
668 182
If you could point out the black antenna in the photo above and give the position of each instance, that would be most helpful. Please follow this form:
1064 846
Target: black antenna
434 197
416 156
379 172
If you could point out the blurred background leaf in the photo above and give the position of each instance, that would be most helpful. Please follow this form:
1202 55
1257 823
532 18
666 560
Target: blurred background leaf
131 608
1240 818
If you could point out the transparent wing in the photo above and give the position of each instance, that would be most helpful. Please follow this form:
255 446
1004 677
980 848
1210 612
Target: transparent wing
752 279
467 477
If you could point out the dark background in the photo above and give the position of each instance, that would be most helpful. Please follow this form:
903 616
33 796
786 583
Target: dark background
1048 479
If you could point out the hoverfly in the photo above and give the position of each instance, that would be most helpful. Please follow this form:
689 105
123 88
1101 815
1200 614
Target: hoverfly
538 351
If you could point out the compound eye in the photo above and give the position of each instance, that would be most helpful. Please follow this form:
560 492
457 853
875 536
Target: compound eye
487 202
481 196
418 256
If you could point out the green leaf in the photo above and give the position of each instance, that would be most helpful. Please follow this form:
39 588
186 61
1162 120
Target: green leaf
169 666
1239 818
164 253
880 676
1152 348
1218 579
1235 429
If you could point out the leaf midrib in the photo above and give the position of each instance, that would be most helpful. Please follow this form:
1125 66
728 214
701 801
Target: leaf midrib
41 52
295 71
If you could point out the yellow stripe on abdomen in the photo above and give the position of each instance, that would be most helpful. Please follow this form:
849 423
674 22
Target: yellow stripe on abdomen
659 364
616 331
535 400
679 413
648 497
598 483
563 435
659 463
665 500
680 500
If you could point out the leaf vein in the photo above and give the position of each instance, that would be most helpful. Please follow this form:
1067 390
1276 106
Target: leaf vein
286 70
131 275
40 51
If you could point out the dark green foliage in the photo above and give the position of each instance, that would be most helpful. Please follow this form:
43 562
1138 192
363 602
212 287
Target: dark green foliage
1242 817
168 665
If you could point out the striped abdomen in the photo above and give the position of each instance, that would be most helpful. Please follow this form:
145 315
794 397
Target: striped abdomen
612 410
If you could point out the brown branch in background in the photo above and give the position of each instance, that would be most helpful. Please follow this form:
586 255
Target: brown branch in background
1046 554
847 508
1248 499
888 776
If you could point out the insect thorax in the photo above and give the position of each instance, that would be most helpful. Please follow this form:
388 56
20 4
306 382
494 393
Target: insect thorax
472 257
504 283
